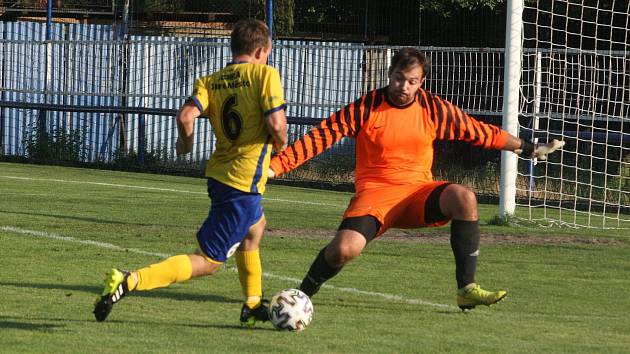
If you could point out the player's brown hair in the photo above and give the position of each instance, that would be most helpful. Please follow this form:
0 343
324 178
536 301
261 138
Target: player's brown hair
248 35
408 57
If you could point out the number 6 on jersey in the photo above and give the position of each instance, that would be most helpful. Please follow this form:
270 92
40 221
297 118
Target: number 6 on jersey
231 121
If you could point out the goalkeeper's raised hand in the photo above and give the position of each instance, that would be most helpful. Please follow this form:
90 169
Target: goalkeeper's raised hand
538 151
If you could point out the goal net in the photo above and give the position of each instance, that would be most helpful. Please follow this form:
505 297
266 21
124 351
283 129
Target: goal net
575 86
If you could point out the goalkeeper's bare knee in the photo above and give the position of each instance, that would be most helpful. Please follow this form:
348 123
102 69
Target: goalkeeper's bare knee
459 202
346 246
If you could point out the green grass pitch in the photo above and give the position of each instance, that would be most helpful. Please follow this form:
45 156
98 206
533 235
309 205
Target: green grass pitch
62 228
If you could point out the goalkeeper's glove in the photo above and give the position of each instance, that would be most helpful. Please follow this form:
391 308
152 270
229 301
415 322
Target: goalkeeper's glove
538 151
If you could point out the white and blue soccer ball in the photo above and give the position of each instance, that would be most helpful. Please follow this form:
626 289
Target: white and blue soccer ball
290 310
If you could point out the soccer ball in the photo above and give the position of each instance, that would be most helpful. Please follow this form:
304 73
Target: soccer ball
290 310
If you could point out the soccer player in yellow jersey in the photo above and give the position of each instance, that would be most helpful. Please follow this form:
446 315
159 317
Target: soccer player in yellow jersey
246 107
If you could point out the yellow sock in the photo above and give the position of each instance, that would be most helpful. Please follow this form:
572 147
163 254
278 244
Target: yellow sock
250 275
171 270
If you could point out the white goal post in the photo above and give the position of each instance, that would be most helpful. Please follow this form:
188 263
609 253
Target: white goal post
567 77
513 45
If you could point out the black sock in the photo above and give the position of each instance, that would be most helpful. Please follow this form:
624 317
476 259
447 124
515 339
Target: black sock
465 246
318 274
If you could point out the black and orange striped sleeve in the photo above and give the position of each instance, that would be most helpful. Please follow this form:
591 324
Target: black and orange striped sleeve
451 123
346 122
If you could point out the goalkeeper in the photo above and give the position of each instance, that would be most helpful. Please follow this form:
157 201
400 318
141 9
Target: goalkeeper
394 128
246 106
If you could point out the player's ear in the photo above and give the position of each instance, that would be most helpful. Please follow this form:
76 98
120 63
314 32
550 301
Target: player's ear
258 53
389 73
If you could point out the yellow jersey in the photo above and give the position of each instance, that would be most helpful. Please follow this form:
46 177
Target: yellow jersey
237 99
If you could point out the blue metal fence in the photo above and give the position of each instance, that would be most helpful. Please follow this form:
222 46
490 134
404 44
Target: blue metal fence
88 66
85 66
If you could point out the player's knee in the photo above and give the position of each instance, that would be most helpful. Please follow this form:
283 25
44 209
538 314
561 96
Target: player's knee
341 254
468 199
462 200
211 268
201 266
463 196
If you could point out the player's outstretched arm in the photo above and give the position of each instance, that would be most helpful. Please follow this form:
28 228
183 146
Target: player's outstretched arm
460 126
185 119
346 122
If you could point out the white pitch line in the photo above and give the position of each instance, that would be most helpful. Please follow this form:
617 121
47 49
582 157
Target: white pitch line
54 236
390 297
127 186
43 234
130 186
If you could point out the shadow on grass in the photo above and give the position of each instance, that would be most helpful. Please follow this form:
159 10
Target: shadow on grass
267 326
41 327
160 293
14 322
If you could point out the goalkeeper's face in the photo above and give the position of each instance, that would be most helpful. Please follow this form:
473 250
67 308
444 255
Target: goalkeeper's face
404 84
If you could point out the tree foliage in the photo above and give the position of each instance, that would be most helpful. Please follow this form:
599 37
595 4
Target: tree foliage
283 16
327 11
447 7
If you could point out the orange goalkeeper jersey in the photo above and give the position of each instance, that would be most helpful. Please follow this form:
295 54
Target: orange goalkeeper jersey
394 145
